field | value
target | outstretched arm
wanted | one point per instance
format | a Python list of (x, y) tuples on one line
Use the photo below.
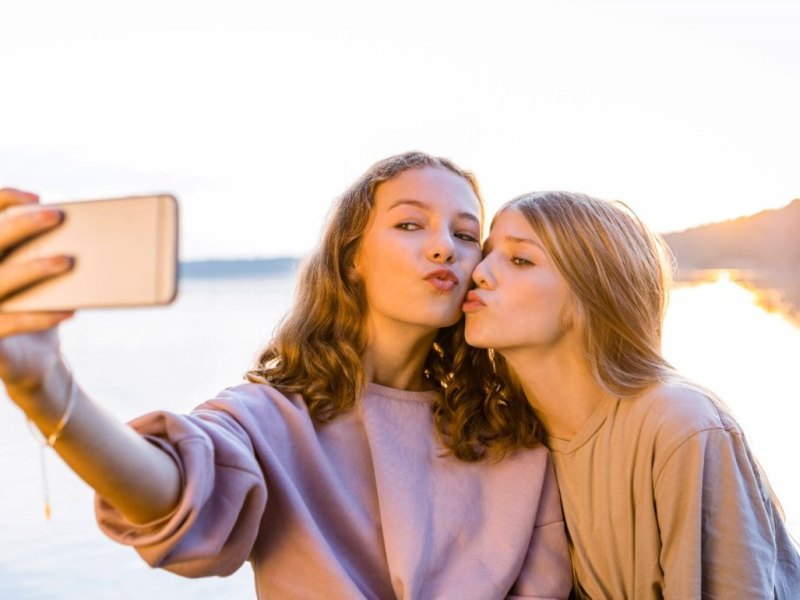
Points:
[(134, 476)]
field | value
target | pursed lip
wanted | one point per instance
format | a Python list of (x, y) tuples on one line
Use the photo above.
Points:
[(472, 302), (443, 280)]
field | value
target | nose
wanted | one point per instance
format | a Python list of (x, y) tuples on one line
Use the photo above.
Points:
[(442, 248), (482, 275)]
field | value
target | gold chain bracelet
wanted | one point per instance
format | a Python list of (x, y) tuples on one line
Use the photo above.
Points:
[(50, 440)]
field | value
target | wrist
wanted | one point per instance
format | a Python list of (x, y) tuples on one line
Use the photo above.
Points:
[(44, 400)]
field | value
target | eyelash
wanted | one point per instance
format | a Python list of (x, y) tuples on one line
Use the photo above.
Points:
[(468, 237), (408, 226), (521, 262)]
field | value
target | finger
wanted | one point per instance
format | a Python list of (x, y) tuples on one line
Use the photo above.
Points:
[(19, 323), (11, 196), (18, 228), (14, 278)]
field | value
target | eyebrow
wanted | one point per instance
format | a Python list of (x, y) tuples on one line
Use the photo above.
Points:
[(487, 246), (424, 206), (519, 240)]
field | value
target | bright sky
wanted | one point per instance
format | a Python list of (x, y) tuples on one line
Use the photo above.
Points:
[(257, 114)]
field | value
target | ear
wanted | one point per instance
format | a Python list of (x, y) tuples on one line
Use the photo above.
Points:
[(353, 272), (572, 315)]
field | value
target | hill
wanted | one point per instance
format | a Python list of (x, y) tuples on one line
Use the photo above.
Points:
[(768, 240)]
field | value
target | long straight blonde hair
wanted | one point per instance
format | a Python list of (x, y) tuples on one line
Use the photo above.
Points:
[(619, 274)]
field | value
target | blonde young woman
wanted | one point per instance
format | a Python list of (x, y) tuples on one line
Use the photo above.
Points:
[(363, 459), (661, 495)]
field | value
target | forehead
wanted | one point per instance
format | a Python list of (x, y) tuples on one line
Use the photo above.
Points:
[(511, 225), (437, 187)]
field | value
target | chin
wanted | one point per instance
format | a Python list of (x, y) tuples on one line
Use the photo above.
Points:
[(449, 322), (474, 338), (435, 321), (446, 318)]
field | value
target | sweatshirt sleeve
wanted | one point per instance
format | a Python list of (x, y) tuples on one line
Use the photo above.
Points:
[(214, 526), (547, 570), (716, 520)]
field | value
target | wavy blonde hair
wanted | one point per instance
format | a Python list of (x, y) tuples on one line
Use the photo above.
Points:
[(619, 274), (317, 348)]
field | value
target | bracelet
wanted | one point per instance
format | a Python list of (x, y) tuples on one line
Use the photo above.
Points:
[(47, 442), (62, 422), (51, 439)]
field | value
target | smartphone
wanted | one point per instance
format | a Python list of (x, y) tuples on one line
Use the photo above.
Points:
[(125, 252)]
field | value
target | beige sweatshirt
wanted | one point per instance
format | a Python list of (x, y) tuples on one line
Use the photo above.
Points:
[(662, 499)]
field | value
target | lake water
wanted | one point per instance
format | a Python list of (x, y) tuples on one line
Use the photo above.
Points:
[(716, 332)]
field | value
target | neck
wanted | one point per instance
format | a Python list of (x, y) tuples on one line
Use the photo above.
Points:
[(395, 356), (559, 385)]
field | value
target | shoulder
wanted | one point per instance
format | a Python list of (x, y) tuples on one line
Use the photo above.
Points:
[(532, 465), (256, 395), (687, 421), (255, 405), (537, 458), (681, 410), (670, 416)]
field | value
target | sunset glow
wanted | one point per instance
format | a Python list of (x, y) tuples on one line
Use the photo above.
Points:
[(257, 114)]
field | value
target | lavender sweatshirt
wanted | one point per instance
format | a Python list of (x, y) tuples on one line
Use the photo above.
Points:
[(363, 507)]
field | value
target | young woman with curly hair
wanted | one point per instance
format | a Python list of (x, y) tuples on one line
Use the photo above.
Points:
[(371, 453)]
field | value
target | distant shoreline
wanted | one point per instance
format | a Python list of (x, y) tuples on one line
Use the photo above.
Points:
[(235, 268), (288, 264)]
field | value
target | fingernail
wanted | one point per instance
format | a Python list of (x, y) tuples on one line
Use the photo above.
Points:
[(20, 195), (61, 263), (50, 216)]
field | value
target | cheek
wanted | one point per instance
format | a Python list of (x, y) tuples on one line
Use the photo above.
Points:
[(389, 249), (377, 280), (374, 262), (472, 258), (387, 280), (537, 308)]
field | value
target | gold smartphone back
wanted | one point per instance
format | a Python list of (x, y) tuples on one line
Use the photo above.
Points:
[(125, 251)]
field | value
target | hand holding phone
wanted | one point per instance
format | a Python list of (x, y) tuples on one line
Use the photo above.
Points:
[(125, 253)]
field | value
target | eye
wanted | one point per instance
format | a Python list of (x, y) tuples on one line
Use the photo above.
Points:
[(407, 226), (468, 237), (521, 262)]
